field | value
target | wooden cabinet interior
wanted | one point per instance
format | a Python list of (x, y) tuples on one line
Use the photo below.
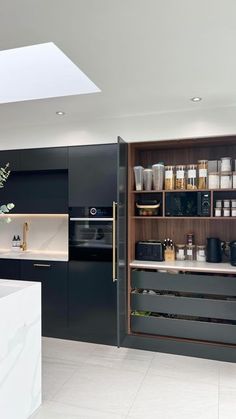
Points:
[(158, 228)]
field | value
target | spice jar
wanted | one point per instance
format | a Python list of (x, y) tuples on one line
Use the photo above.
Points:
[(169, 178), (190, 252), (225, 164), (226, 180), (234, 180), (214, 180), (180, 251), (226, 212), (233, 212), (218, 212), (180, 182), (202, 174), (233, 203), (218, 203), (190, 238), (201, 253), (192, 176)]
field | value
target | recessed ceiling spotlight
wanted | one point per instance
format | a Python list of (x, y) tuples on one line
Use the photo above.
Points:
[(60, 113), (196, 99)]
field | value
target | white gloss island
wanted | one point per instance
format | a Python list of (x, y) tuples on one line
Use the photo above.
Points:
[(20, 348)]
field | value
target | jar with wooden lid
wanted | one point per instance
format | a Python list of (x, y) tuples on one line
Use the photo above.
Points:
[(180, 182), (180, 251), (202, 174), (214, 180), (169, 177), (192, 176), (190, 252)]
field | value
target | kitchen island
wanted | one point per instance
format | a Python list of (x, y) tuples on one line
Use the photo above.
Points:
[(20, 349)]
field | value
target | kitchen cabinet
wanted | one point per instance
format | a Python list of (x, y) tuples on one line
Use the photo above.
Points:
[(12, 157), (55, 158), (92, 302), (9, 269), (92, 175), (53, 276), (37, 192)]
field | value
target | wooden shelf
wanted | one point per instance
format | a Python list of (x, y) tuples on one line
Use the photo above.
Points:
[(184, 190), (181, 218)]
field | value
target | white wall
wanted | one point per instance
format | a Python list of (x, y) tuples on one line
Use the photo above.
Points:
[(186, 124)]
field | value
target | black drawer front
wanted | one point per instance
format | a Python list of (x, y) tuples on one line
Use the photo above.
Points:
[(203, 284), (186, 306), (37, 270), (9, 269), (187, 329)]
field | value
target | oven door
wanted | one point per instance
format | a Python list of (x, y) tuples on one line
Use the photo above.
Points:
[(90, 239)]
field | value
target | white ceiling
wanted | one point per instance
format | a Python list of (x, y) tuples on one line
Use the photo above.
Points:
[(147, 56)]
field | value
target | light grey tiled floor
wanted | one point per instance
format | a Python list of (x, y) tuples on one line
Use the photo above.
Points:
[(86, 381)]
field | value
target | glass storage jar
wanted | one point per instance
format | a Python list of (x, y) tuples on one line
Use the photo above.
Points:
[(218, 203), (233, 203), (234, 180), (190, 251), (180, 182), (180, 251), (226, 212), (218, 211), (158, 170), (192, 176), (226, 180), (225, 164), (226, 203), (202, 174), (214, 180), (201, 253), (233, 212), (169, 177)]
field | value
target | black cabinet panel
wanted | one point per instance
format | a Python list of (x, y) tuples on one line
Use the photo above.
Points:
[(92, 175), (9, 269), (44, 159), (37, 192), (53, 276), (12, 157), (92, 302)]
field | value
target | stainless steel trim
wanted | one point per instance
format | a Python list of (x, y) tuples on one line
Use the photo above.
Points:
[(114, 278), (42, 265), (91, 219)]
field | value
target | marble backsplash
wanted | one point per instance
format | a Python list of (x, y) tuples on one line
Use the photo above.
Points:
[(47, 233)]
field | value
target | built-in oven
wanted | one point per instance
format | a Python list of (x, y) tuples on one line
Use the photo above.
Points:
[(91, 233)]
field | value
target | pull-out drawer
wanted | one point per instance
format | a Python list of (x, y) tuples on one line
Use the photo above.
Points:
[(188, 329), (185, 306), (192, 283)]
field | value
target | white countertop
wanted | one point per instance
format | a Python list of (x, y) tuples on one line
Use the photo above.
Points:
[(186, 265), (34, 255)]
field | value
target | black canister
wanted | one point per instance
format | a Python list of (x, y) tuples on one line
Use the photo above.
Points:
[(214, 250), (233, 253)]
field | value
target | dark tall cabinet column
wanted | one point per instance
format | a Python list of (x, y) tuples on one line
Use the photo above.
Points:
[(92, 175)]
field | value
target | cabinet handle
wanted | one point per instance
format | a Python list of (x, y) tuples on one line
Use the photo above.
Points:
[(114, 278), (41, 265)]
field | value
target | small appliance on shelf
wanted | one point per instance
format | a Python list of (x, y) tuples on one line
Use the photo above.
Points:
[(148, 207)]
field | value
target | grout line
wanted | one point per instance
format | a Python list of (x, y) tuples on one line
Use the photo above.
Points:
[(139, 387)]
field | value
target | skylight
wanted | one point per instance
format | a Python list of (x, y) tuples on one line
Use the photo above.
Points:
[(38, 72)]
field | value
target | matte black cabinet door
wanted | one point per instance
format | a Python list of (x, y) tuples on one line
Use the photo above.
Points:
[(92, 302), (12, 157), (55, 158), (53, 276), (92, 175), (37, 192), (9, 269)]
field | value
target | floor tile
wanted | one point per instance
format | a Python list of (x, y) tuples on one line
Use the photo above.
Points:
[(68, 350), (227, 374), (102, 388), (227, 403), (168, 398), (55, 374), (176, 366), (121, 358), (54, 410)]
